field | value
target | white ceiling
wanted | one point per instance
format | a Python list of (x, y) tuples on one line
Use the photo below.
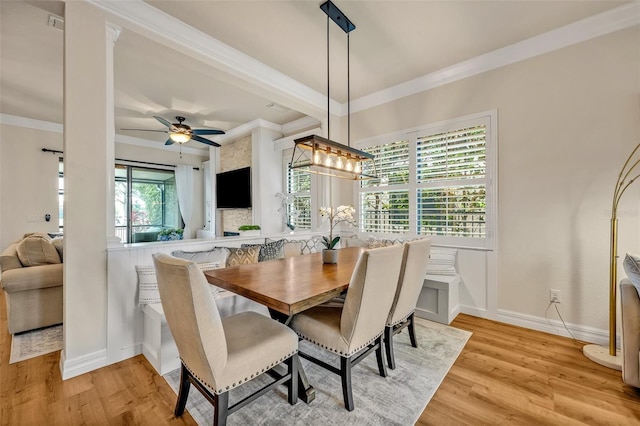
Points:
[(394, 42)]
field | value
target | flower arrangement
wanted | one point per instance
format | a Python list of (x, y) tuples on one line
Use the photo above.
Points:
[(169, 234), (336, 216)]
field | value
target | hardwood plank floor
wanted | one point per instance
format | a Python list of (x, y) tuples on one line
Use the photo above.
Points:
[(505, 375)]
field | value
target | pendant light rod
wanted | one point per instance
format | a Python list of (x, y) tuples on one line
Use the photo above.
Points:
[(328, 84)]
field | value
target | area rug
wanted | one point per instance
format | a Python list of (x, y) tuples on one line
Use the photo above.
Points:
[(398, 399), (31, 344)]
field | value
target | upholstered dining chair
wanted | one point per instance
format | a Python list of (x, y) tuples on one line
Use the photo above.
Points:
[(412, 272), (220, 354), (356, 329)]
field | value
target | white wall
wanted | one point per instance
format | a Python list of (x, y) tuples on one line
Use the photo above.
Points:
[(567, 121), (28, 181)]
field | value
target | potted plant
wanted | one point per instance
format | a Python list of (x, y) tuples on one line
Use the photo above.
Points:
[(335, 216), (169, 234), (249, 230)]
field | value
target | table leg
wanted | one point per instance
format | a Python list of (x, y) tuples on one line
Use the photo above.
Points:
[(306, 392)]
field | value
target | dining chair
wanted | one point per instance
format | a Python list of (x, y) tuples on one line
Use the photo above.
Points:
[(412, 272), (218, 355), (356, 329)]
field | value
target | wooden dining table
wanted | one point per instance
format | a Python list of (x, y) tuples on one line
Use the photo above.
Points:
[(290, 285)]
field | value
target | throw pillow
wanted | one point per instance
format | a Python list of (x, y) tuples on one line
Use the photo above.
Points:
[(632, 268), (442, 261), (37, 250), (355, 242), (242, 256), (268, 251), (291, 247), (57, 243), (148, 292), (383, 242), (215, 255)]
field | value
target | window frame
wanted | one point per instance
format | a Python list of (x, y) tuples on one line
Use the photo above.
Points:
[(286, 158), (129, 181), (487, 118)]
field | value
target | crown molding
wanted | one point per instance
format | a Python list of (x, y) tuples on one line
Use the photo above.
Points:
[(616, 19), (48, 126), (31, 123)]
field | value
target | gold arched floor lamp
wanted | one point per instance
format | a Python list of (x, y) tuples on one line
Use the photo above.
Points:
[(611, 357)]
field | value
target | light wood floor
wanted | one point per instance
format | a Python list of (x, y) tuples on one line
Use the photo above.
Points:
[(505, 375)]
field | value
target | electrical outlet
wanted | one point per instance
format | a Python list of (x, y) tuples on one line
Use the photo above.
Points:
[(554, 296)]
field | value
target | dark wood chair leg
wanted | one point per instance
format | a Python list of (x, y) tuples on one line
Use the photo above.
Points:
[(292, 363), (221, 403), (412, 331), (183, 392), (382, 367), (345, 373), (388, 344)]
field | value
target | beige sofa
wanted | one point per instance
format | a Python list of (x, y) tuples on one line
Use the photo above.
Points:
[(630, 303), (31, 277)]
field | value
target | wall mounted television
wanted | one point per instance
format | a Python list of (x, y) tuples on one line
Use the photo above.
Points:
[(233, 189)]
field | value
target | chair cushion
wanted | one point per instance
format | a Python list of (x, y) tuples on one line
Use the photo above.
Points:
[(37, 250), (442, 261), (148, 292), (255, 344), (215, 255), (321, 325)]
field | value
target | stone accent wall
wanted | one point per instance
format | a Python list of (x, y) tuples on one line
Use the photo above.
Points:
[(236, 155)]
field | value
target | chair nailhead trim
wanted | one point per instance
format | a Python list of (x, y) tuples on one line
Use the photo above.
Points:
[(246, 379), (401, 321), (338, 352)]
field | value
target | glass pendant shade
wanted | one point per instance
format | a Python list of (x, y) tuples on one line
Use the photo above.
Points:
[(178, 137)]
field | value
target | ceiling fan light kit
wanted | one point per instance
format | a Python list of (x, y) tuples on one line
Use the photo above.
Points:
[(315, 154)]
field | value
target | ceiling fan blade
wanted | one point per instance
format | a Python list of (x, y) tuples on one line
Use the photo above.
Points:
[(169, 142), (203, 140), (207, 132), (163, 121), (147, 130)]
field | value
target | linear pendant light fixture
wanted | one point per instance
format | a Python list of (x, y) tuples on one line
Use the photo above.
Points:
[(315, 154)]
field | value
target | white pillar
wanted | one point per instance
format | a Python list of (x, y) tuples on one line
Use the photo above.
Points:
[(88, 158)]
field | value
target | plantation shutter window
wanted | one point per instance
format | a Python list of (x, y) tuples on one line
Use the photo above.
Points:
[(384, 202), (298, 186), (434, 181), (451, 195)]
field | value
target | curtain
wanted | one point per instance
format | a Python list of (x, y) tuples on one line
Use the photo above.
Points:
[(184, 186)]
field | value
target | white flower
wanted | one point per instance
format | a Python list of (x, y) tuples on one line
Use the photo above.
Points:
[(336, 216)]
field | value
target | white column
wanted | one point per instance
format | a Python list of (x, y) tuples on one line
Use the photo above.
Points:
[(88, 148)]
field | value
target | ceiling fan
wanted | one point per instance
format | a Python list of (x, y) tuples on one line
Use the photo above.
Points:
[(181, 133)]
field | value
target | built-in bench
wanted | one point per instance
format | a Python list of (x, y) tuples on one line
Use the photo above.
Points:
[(439, 299)]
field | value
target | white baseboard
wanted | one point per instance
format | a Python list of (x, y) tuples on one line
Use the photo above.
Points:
[(552, 326), (76, 366)]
